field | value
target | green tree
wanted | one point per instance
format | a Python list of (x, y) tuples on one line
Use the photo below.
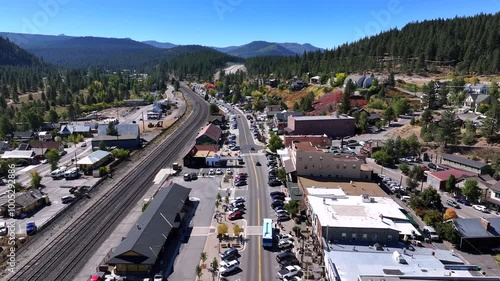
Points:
[(6, 126), (120, 153), (451, 184), (433, 217), (469, 134), (363, 121), (176, 85), (405, 168), (222, 229), (198, 270), (53, 116), (36, 179), (447, 231), (281, 174), (275, 142), (214, 265), (389, 115), (292, 207), (53, 157), (349, 89), (102, 146), (237, 230), (213, 109), (448, 129), (401, 106), (383, 158), (471, 190), (111, 130), (70, 110), (203, 257)]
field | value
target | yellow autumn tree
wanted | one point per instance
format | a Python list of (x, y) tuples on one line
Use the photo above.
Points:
[(450, 214)]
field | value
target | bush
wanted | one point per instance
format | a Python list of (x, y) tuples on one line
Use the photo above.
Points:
[(120, 153), (405, 168), (103, 171)]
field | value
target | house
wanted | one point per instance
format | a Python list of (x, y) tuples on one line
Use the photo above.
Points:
[(41, 147), (24, 147), (484, 182), (128, 136), (217, 120), (458, 162), (338, 216), (271, 110), (196, 157), (332, 125), (45, 136), (476, 88), (25, 136), (280, 120), (296, 84), (94, 161), (25, 203), (493, 196), (210, 134), (159, 226), (437, 180), (26, 156), (474, 101), (67, 130), (372, 117), (319, 161), (314, 80), (273, 82), (478, 234)]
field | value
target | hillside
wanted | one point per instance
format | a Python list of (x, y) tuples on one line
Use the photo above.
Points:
[(11, 54), (465, 44), (161, 45)]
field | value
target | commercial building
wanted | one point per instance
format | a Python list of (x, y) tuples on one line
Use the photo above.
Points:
[(478, 234), (333, 125), (376, 262), (339, 217), (28, 156), (128, 136), (280, 120), (462, 163), (93, 161), (143, 247), (319, 161), (26, 203), (197, 156), (41, 147), (493, 196), (210, 134)]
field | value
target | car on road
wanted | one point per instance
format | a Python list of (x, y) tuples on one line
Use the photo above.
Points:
[(432, 166), (229, 171), (480, 208), (62, 153), (84, 144), (285, 236), (258, 164), (277, 193), (235, 216), (229, 267), (240, 183), (293, 278), (44, 161), (218, 171), (284, 256), (452, 203), (252, 148), (211, 172), (31, 228), (463, 201), (285, 244), (229, 254), (289, 271)]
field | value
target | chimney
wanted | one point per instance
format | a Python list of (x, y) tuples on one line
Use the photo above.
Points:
[(485, 223)]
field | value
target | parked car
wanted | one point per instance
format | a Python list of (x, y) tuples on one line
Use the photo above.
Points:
[(463, 201), (282, 217), (276, 204), (31, 228), (229, 267), (285, 244), (277, 193), (288, 262), (284, 256), (235, 216), (432, 166), (480, 208), (258, 163), (237, 200), (452, 203), (289, 271), (240, 183), (229, 254), (218, 171), (274, 182)]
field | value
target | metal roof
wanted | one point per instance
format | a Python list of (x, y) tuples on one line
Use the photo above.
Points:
[(146, 239), (94, 157), (464, 161), (473, 227), (18, 154), (123, 130)]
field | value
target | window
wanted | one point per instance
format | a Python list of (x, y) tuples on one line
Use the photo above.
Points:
[(354, 166), (389, 237), (344, 236), (320, 166), (310, 158), (353, 237), (305, 167), (365, 236), (497, 195), (374, 237), (345, 166), (321, 158)]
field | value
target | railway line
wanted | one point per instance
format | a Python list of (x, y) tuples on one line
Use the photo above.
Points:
[(69, 249)]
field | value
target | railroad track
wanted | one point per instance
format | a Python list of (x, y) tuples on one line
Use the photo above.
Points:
[(68, 250)]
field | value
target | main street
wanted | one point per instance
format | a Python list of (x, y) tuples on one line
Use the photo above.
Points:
[(256, 263)]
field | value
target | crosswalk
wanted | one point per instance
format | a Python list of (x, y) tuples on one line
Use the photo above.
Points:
[(253, 230)]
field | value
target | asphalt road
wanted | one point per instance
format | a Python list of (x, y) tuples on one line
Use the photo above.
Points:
[(256, 263)]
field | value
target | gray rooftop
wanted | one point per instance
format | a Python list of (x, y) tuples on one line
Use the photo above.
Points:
[(465, 161), (123, 129), (322, 117), (150, 233), (354, 261), (473, 228), (24, 199)]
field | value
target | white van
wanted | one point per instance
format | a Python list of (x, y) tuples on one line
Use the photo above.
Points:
[(58, 173), (72, 173), (431, 233)]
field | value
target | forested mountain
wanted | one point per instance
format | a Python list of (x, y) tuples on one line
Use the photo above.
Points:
[(11, 54), (29, 41), (300, 48), (199, 62), (161, 45), (468, 44), (263, 48)]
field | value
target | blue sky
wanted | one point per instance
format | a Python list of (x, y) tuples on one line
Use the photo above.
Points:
[(325, 23)]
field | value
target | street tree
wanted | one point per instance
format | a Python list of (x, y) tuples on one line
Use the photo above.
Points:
[(214, 265), (213, 109), (53, 157), (237, 230), (198, 271), (383, 158), (292, 207), (449, 214), (451, 184), (203, 256), (471, 190), (36, 179), (222, 229), (275, 142), (430, 197), (432, 217)]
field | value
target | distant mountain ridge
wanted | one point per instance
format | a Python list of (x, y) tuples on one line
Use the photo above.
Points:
[(11, 54), (161, 45)]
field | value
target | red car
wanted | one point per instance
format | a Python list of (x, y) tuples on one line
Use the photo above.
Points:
[(243, 175), (235, 216), (425, 168)]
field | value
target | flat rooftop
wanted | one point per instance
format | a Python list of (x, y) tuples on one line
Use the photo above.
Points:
[(321, 117), (355, 188), (334, 208)]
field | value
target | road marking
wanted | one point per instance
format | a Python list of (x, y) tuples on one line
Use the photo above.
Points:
[(260, 261), (258, 211)]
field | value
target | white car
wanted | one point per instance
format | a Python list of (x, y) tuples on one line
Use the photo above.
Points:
[(229, 171), (285, 244), (44, 161), (289, 271), (218, 171), (285, 236), (211, 172), (229, 267), (480, 208)]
